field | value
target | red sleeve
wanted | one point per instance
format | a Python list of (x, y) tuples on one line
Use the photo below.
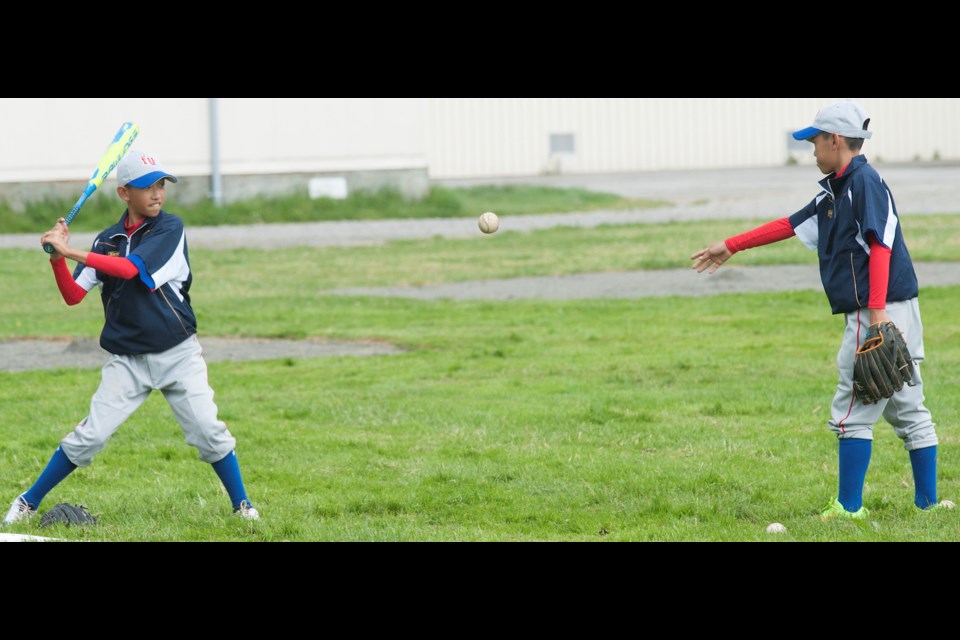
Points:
[(879, 273), (112, 266), (762, 236), (73, 294)]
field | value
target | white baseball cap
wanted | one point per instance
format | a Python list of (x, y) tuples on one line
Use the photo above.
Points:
[(845, 118), (141, 170)]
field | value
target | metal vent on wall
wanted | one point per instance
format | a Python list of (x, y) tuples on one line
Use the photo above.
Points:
[(563, 143)]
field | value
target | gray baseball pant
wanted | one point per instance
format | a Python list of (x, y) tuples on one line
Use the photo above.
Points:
[(905, 411), (126, 383)]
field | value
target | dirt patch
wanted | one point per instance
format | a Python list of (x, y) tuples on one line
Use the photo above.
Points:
[(34, 355), (37, 355), (643, 284)]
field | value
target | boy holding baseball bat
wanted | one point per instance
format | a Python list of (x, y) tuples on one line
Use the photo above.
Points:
[(142, 268)]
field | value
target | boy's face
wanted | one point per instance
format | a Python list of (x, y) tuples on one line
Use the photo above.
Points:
[(144, 203), (826, 149)]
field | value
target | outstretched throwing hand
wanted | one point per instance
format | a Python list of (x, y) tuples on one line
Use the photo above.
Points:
[(711, 259)]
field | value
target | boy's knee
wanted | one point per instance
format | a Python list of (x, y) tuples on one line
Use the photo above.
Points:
[(215, 455), (84, 443), (80, 454), (852, 432), (917, 438), (213, 445)]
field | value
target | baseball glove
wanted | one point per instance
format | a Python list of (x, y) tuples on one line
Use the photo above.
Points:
[(68, 515), (883, 364)]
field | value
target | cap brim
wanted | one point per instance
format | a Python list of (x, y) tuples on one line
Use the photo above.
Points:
[(151, 179), (807, 133)]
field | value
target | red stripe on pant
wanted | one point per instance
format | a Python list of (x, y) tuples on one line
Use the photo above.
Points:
[(853, 397)]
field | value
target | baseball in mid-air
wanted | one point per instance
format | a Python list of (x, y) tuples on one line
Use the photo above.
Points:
[(489, 223), (776, 529)]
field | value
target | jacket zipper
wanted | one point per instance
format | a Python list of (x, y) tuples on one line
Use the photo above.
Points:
[(175, 314), (856, 291), (143, 229)]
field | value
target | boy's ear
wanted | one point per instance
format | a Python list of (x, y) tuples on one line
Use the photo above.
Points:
[(122, 192)]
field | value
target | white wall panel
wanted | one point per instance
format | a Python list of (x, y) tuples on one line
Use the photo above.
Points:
[(470, 137), (50, 139), (294, 135)]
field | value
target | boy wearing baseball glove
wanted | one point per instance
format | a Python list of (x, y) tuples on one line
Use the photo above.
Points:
[(869, 278)]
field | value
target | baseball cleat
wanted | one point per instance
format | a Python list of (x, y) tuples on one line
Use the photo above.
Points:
[(247, 512), (19, 511), (836, 511)]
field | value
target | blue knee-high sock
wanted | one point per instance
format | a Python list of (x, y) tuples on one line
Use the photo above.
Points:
[(854, 462), (924, 464), (56, 472), (228, 470)]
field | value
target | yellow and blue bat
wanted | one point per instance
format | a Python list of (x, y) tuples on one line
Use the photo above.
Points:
[(111, 158)]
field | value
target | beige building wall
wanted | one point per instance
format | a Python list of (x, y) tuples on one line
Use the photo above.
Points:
[(50, 139), (59, 139), (471, 137)]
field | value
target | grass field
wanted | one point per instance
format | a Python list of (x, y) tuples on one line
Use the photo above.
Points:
[(616, 420), (103, 210)]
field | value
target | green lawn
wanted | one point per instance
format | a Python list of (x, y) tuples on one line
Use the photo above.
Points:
[(668, 419), (104, 209)]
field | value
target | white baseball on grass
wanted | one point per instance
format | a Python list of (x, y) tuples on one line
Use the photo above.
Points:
[(776, 529), (489, 223)]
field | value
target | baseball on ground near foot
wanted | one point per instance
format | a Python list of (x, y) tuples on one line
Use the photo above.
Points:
[(776, 529)]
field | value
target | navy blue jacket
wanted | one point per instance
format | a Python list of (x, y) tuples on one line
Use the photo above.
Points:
[(151, 313), (837, 224)]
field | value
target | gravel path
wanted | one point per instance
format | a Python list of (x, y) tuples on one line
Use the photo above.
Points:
[(642, 284), (760, 194), (32, 355)]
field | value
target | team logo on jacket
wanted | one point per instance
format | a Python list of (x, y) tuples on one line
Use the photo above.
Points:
[(830, 214)]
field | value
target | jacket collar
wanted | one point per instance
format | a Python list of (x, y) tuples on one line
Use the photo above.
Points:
[(830, 182), (120, 228)]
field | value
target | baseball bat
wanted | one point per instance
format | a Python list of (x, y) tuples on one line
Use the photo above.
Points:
[(111, 158)]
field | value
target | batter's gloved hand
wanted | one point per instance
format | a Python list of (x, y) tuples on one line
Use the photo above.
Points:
[(68, 515), (883, 364)]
